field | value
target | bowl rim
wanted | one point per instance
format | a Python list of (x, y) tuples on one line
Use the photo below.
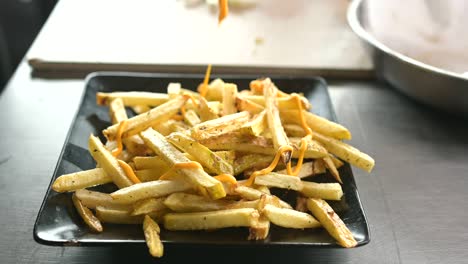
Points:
[(356, 26)]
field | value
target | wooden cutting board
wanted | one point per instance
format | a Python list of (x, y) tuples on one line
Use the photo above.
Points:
[(295, 37)]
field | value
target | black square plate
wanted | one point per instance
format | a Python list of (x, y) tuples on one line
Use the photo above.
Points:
[(59, 224)]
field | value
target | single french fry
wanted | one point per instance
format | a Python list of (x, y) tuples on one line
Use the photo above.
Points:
[(310, 168), (206, 111), (260, 230), (179, 126), (133, 98), (147, 206), (143, 121), (284, 181), (93, 199), (117, 111), (174, 90), (274, 122), (151, 189), (317, 124), (191, 118), (244, 204), (166, 127), (222, 125), (215, 90), (263, 189), (331, 167), (202, 154), (184, 202), (227, 155), (346, 152), (260, 145), (80, 180), (243, 104), (338, 163), (250, 161), (314, 149), (290, 218), (268, 199), (211, 220), (294, 130), (241, 143), (88, 217), (229, 99), (152, 174), (156, 162), (331, 222), (257, 87), (153, 241), (195, 176), (143, 163), (256, 125), (138, 109), (108, 162), (284, 103), (325, 191), (115, 216)]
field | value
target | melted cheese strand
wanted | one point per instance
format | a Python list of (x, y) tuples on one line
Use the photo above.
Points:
[(302, 151), (116, 152), (301, 116), (178, 117), (187, 97), (223, 10), (226, 178), (128, 171), (204, 87), (270, 168)]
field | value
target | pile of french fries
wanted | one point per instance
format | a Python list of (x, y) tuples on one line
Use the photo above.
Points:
[(207, 160)]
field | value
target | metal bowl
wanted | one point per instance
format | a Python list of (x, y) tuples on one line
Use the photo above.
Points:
[(428, 84)]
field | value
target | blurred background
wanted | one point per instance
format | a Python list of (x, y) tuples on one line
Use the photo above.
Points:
[(20, 22)]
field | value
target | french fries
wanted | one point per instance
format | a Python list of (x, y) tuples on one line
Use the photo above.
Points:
[(346, 152), (197, 177), (184, 202), (80, 180), (280, 139), (209, 159), (211, 220), (284, 181), (331, 221), (317, 124), (93, 199), (108, 162), (153, 241), (145, 120), (325, 191), (289, 218), (140, 191), (87, 215), (189, 156), (117, 216)]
